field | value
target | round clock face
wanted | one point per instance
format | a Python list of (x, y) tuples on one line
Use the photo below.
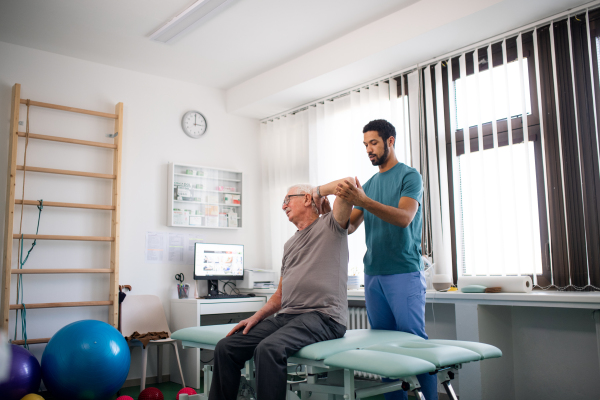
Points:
[(194, 124)]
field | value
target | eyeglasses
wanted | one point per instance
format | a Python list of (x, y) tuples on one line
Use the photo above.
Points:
[(286, 200)]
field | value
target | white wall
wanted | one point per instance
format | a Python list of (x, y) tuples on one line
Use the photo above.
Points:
[(152, 137)]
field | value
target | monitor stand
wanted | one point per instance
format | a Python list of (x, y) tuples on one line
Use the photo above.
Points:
[(213, 287)]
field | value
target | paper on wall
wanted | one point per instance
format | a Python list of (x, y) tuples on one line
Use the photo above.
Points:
[(176, 248), (156, 247), (192, 239)]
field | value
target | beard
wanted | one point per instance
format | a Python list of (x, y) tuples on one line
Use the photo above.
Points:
[(380, 160)]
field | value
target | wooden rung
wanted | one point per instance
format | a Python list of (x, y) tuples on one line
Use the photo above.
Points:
[(67, 140), (71, 109), (62, 271), (31, 341), (60, 305), (61, 237), (67, 205), (67, 172)]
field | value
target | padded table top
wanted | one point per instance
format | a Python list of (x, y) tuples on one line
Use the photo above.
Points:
[(381, 345), (439, 355), (354, 339), (210, 334), (389, 365)]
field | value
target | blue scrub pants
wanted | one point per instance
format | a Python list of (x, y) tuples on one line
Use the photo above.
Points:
[(397, 302)]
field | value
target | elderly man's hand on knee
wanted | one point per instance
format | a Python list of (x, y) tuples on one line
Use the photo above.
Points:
[(246, 324)]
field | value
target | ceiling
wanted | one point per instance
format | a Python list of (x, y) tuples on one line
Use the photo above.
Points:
[(267, 55), (249, 37)]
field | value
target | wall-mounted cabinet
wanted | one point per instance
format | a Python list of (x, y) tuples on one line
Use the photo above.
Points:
[(204, 197)]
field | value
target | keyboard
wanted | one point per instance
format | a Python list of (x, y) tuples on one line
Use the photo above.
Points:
[(227, 296)]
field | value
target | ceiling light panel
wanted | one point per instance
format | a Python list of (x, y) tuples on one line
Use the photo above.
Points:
[(192, 17)]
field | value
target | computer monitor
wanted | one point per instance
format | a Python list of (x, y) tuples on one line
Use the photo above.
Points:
[(213, 262)]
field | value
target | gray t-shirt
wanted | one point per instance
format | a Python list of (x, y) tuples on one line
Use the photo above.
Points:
[(315, 270)]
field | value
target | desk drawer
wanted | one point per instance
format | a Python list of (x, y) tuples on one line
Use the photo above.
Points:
[(230, 307)]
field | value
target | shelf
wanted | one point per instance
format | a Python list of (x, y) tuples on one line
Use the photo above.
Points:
[(207, 227), (208, 204), (209, 199), (210, 191), (206, 177), (193, 215)]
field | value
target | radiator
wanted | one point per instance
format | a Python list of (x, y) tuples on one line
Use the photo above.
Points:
[(357, 319)]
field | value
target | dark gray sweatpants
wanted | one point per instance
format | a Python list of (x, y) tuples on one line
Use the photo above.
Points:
[(271, 342)]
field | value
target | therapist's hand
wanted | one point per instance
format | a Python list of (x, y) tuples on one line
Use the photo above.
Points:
[(323, 205), (322, 202), (246, 325), (351, 191)]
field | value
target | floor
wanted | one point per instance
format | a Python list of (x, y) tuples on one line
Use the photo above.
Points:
[(169, 390)]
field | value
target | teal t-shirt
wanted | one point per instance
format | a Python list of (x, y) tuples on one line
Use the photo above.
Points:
[(390, 248)]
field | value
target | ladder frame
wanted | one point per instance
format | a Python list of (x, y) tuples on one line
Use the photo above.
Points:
[(114, 208)]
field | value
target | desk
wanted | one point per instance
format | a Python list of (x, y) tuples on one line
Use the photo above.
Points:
[(198, 312)]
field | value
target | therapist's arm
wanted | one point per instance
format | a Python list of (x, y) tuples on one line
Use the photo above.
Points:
[(400, 216), (272, 306)]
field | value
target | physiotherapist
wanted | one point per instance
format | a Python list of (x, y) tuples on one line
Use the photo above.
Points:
[(390, 205)]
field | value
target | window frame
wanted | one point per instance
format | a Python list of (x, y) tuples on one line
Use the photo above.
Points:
[(533, 124)]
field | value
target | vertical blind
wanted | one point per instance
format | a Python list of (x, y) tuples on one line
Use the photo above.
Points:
[(511, 130)]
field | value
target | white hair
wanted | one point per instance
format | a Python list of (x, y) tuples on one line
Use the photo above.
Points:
[(305, 188), (302, 187)]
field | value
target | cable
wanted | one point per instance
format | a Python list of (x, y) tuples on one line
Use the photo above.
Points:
[(250, 388), (208, 360), (234, 288), (564, 288)]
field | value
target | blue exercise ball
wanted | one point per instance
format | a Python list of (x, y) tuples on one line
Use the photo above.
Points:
[(85, 360), (25, 375)]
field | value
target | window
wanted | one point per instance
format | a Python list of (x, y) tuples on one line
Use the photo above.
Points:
[(471, 104), (496, 217), (498, 221)]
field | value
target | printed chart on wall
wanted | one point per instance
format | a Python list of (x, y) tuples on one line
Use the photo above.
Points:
[(171, 248), (156, 247), (177, 248), (190, 248)]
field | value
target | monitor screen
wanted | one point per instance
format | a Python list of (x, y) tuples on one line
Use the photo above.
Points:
[(218, 261)]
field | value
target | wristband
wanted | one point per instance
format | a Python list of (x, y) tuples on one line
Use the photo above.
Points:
[(319, 191)]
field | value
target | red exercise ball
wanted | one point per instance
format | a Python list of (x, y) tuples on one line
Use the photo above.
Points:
[(187, 390), (124, 398), (151, 394)]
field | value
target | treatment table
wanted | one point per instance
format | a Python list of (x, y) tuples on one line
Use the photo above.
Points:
[(329, 366)]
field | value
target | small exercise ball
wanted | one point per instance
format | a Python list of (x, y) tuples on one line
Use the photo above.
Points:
[(87, 359), (151, 394), (187, 390), (33, 396), (25, 375), (124, 398)]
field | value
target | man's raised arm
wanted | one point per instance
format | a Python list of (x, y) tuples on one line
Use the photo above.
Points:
[(342, 208), (344, 212)]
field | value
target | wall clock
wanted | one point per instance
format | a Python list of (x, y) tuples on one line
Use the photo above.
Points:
[(194, 124)]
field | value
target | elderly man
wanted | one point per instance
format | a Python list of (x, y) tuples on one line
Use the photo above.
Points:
[(311, 300)]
